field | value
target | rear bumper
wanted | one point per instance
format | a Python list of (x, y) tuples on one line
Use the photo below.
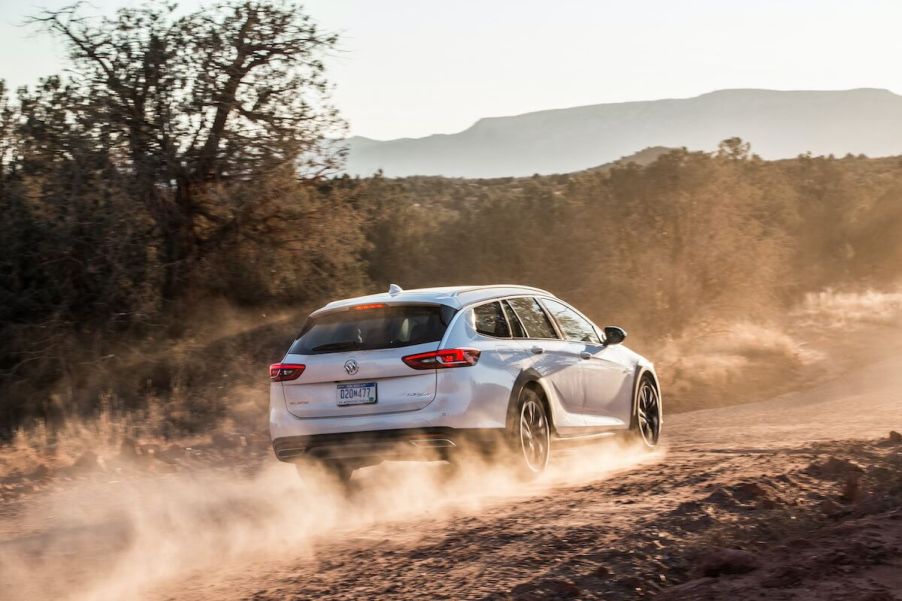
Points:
[(408, 443)]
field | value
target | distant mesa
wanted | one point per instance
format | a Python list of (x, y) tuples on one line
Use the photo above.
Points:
[(779, 124)]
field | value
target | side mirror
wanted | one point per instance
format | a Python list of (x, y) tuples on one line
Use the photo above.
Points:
[(613, 335)]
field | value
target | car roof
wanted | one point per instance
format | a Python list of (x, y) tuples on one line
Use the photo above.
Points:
[(453, 296)]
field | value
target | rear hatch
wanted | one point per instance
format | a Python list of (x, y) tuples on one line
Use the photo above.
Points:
[(353, 360)]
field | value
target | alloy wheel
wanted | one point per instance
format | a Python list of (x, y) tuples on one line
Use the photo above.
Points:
[(534, 434), (649, 413)]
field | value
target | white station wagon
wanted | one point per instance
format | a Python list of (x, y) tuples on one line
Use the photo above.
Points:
[(425, 374)]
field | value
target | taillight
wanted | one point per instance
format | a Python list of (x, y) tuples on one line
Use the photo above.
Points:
[(280, 372), (453, 357)]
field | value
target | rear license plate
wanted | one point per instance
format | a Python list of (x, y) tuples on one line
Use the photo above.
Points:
[(356, 394)]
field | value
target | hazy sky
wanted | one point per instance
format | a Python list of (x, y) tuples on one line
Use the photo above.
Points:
[(415, 67)]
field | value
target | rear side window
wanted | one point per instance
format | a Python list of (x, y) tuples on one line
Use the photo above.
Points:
[(490, 320), (375, 327), (533, 318), (572, 324)]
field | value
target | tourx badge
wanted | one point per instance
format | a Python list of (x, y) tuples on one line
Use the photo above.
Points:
[(351, 367)]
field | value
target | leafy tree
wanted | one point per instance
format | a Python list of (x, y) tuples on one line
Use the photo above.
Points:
[(734, 148), (189, 103)]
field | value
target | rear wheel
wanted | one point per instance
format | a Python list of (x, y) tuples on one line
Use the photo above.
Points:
[(646, 427), (531, 434)]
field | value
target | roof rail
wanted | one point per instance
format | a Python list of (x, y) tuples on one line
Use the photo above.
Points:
[(472, 288)]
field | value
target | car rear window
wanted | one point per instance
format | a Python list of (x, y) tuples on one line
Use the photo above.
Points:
[(490, 320), (371, 328)]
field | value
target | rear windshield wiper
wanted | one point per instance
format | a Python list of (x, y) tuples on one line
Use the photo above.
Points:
[(345, 345)]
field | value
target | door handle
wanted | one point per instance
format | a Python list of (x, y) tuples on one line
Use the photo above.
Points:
[(585, 355), (537, 350)]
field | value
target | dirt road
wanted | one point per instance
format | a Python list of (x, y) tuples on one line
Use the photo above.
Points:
[(797, 497), (744, 477)]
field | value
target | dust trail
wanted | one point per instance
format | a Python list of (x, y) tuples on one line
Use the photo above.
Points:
[(121, 539), (722, 362)]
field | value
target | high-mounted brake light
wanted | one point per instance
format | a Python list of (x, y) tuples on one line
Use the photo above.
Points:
[(445, 358), (369, 306), (281, 372)]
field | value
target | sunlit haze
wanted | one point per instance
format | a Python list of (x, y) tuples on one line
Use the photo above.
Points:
[(411, 68)]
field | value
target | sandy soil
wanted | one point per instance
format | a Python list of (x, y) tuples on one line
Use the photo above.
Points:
[(797, 497)]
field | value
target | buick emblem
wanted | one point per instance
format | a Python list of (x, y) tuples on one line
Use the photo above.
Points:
[(351, 367)]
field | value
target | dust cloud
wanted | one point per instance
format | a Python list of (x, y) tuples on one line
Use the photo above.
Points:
[(831, 308), (114, 539), (724, 362)]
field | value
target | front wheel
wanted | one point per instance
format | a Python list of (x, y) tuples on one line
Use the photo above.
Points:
[(646, 427), (531, 435)]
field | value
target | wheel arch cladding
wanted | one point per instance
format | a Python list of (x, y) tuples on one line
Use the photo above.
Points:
[(527, 378)]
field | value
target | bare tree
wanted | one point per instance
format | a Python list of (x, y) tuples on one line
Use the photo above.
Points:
[(192, 102)]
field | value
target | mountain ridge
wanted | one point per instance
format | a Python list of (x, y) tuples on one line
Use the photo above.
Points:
[(778, 123)]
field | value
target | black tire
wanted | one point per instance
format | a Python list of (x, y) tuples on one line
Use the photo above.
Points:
[(529, 434), (645, 426)]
